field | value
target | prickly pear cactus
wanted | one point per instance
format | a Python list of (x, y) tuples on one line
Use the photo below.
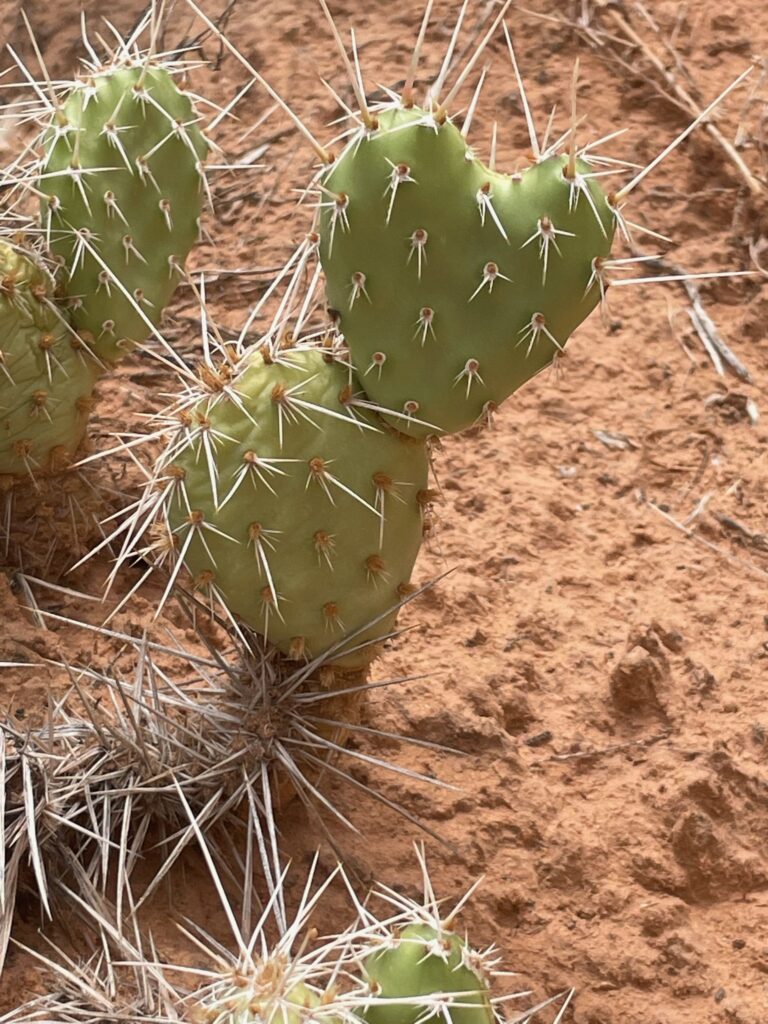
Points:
[(47, 373), (422, 964), (297, 508), (123, 185), (455, 284)]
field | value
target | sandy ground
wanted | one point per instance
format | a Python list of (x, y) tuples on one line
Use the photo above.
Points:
[(602, 670)]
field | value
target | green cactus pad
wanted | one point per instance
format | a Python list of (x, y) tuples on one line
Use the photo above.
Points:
[(426, 962), (46, 373), (298, 508), (454, 284), (124, 186)]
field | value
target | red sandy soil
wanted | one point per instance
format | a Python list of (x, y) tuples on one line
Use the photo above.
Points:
[(603, 671)]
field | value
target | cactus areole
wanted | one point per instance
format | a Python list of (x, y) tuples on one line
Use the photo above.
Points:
[(455, 284)]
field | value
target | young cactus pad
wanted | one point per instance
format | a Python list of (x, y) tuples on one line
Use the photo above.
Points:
[(256, 999), (426, 962), (455, 284), (299, 509), (47, 373), (122, 185)]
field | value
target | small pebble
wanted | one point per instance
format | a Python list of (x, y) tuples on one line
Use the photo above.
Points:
[(539, 739)]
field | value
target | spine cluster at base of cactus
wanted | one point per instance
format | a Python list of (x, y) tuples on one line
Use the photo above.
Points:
[(295, 506), (256, 998), (419, 964), (455, 284), (122, 186), (47, 372)]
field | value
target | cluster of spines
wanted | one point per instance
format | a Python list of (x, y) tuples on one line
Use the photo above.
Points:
[(241, 730)]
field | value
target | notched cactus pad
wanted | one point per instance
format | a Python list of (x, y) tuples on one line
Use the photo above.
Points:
[(455, 284), (420, 964), (297, 508), (123, 181), (47, 372)]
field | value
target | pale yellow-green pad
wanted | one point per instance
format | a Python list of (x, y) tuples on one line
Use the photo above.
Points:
[(261, 995)]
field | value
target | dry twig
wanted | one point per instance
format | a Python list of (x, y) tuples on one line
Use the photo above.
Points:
[(718, 351), (606, 27)]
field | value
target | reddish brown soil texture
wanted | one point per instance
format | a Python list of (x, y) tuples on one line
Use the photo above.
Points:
[(603, 671)]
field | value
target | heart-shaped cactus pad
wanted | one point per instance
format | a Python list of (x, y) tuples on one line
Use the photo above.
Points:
[(454, 284)]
